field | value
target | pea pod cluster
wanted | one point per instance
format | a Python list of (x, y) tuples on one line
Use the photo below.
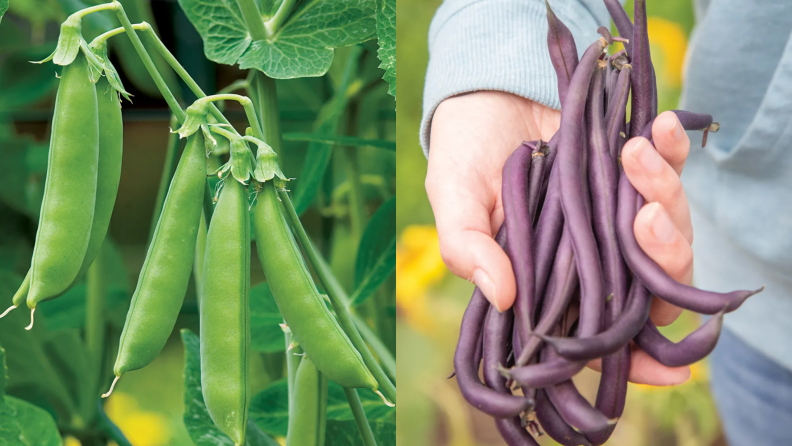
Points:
[(584, 285), (83, 173)]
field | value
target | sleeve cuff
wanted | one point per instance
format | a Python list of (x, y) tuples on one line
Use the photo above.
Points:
[(500, 45)]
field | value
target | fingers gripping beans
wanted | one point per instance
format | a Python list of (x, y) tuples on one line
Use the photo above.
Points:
[(300, 304), (308, 406), (225, 318), (569, 212), (70, 191), (166, 271)]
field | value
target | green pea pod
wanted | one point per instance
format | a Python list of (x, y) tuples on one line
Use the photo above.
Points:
[(308, 407), (166, 271), (70, 190), (225, 317), (111, 130), (299, 302)]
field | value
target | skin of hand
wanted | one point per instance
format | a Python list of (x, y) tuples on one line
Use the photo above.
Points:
[(471, 137)]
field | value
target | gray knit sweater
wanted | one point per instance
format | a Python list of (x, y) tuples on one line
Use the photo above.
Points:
[(738, 68)]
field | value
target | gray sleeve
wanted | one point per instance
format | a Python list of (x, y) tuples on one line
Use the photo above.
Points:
[(500, 45)]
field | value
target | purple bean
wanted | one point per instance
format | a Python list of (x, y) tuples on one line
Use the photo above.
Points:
[(535, 180), (563, 52), (513, 433), (693, 348), (603, 182), (546, 373), (548, 234), (573, 200), (621, 20), (519, 234), (641, 76), (575, 410), (612, 391), (554, 425), (563, 282), (489, 401), (617, 109), (607, 342), (497, 329)]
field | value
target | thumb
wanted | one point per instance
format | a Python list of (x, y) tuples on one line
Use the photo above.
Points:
[(466, 240)]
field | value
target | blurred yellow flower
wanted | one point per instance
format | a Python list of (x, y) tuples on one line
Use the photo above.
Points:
[(670, 38), (141, 428), (71, 441), (418, 266)]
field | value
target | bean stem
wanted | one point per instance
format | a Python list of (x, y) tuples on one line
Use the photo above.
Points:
[(274, 24), (264, 95), (334, 291), (94, 327), (360, 417)]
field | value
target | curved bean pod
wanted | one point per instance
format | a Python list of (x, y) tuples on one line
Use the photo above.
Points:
[(310, 321), (563, 52), (607, 342), (489, 401), (643, 107), (547, 373), (224, 312), (67, 210), (554, 425), (575, 410), (166, 271), (693, 348), (617, 109), (573, 197), (513, 433)]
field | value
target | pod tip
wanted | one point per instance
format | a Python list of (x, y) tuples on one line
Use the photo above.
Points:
[(7, 311), (384, 400), (112, 386), (32, 313), (613, 421)]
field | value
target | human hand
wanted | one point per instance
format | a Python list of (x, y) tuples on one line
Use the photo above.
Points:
[(472, 136)]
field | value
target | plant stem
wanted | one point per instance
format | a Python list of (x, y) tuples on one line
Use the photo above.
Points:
[(108, 427), (284, 10), (114, 32), (208, 203), (246, 103), (293, 358), (342, 312), (360, 417), (265, 99), (253, 19), (94, 330), (171, 154), (149, 64), (114, 5)]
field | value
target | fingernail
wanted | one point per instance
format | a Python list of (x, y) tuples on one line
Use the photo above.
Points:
[(661, 227), (647, 156), (676, 130), (487, 286)]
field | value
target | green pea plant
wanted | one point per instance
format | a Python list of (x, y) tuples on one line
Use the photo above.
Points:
[(317, 202)]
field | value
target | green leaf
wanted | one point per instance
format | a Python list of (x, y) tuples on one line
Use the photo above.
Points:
[(345, 433), (341, 140), (23, 424), (302, 47), (376, 259), (199, 424), (386, 33), (270, 408), (266, 334), (3, 8)]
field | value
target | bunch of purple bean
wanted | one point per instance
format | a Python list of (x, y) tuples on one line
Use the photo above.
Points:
[(584, 285)]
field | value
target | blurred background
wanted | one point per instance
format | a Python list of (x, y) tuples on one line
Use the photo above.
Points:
[(148, 404), (430, 300)]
